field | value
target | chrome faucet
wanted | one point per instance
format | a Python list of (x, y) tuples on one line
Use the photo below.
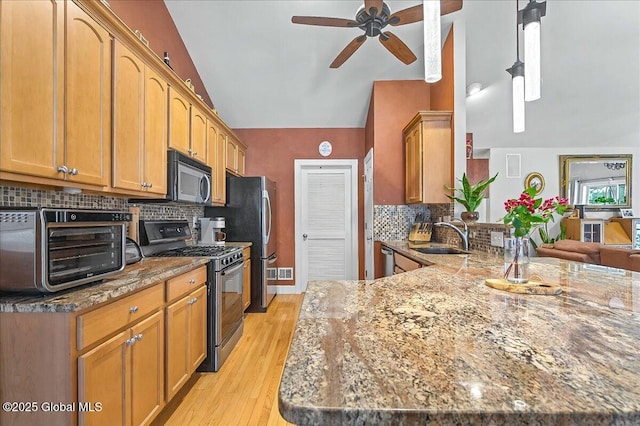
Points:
[(464, 235)]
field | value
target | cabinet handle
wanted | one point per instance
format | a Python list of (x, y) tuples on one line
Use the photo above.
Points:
[(73, 172), (133, 309), (143, 184), (138, 337), (195, 153), (192, 301), (130, 342), (192, 281), (149, 185), (63, 169)]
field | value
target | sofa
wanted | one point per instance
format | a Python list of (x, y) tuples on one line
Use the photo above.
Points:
[(595, 253)]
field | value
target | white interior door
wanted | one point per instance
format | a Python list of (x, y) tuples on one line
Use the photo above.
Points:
[(368, 216), (326, 220)]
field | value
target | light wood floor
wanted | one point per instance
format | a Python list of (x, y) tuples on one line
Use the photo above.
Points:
[(245, 390)]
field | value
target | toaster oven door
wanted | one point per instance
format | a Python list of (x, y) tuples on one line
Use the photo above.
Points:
[(76, 255)]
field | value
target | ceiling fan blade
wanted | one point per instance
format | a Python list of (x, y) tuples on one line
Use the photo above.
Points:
[(324, 22), (368, 4), (449, 6), (414, 13), (348, 51), (406, 16), (397, 47)]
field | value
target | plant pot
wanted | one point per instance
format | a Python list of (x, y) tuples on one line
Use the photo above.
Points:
[(470, 217)]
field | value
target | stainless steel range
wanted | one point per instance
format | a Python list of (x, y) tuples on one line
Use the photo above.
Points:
[(224, 283)]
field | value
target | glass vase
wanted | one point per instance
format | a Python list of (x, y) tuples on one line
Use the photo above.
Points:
[(516, 260)]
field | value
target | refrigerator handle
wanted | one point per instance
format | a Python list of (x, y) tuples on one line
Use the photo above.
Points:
[(265, 196)]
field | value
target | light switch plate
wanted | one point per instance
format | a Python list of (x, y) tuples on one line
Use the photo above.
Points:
[(497, 239)]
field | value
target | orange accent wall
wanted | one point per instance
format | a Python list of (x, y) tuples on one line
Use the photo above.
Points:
[(393, 105), (271, 153), (153, 20)]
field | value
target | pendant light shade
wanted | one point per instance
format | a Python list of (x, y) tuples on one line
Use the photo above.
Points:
[(529, 17), (517, 72), (432, 49)]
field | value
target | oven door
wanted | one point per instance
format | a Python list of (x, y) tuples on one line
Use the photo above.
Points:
[(80, 254), (228, 301)]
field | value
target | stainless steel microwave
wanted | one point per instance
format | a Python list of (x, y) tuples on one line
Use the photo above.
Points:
[(188, 181), (48, 250)]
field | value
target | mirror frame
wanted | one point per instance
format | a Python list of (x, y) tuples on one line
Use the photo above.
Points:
[(567, 160)]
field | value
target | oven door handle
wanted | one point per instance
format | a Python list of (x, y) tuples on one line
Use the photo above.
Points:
[(234, 269)]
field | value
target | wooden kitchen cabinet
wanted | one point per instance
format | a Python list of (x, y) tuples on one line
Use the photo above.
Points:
[(186, 338), (187, 127), (404, 264), (246, 284), (198, 134), (428, 142), (87, 99), (31, 84), (56, 93), (126, 375), (216, 145), (236, 153), (140, 125)]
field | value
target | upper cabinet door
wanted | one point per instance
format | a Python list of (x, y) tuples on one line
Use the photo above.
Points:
[(88, 98), (128, 119), (155, 133), (31, 87), (179, 115), (198, 135)]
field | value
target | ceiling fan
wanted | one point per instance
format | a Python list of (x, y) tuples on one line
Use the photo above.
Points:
[(372, 18)]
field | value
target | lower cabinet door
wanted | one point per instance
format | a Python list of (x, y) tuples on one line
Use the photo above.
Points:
[(102, 379), (147, 369), (178, 363), (197, 328)]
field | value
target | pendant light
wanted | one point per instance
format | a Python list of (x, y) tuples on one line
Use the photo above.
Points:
[(517, 72), (432, 49), (530, 17)]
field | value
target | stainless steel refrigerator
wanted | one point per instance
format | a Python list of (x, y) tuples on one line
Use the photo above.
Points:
[(250, 216)]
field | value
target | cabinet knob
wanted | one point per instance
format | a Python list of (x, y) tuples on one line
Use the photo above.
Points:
[(143, 184), (195, 153), (63, 169), (138, 337), (192, 281), (73, 172), (149, 185), (130, 342), (133, 309), (192, 301)]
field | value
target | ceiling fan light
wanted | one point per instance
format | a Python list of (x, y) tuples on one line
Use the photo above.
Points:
[(517, 92), (530, 18), (432, 42), (532, 59)]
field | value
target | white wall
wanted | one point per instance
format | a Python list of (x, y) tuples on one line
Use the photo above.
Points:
[(546, 162)]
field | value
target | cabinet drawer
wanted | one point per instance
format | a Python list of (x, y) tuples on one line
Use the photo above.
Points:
[(97, 324), (185, 283), (404, 263)]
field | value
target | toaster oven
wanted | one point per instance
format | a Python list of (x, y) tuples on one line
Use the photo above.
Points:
[(48, 250)]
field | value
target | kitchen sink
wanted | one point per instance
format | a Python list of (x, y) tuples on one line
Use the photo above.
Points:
[(440, 250)]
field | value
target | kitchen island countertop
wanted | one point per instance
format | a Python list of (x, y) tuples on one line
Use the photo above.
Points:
[(436, 344)]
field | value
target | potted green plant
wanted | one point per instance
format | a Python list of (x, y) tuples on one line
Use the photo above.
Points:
[(470, 196)]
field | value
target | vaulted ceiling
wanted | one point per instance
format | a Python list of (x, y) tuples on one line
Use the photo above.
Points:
[(262, 71)]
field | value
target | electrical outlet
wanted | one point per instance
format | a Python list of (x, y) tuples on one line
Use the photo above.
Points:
[(497, 239)]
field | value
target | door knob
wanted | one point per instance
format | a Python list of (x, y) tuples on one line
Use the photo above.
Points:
[(304, 237)]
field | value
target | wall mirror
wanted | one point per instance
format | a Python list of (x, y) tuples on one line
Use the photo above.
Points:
[(596, 181)]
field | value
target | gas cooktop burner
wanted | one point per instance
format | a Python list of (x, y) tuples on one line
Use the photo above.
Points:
[(209, 251)]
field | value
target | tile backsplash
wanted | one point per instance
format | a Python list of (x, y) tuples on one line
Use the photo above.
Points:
[(393, 223), (27, 197)]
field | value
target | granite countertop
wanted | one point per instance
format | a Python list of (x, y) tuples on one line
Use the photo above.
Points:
[(148, 271), (436, 344)]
